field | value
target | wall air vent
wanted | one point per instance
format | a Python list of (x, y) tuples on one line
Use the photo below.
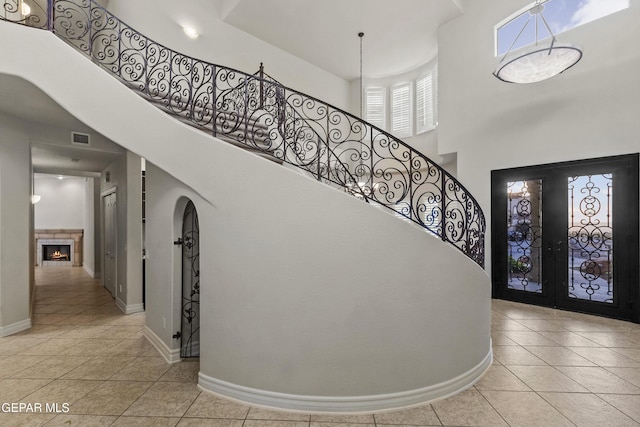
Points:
[(78, 138)]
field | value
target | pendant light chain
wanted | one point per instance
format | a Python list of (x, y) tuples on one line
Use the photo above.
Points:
[(361, 35)]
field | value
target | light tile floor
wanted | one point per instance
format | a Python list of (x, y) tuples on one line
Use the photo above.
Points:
[(551, 368)]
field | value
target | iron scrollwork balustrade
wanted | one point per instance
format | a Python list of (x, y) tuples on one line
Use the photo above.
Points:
[(32, 13), (255, 111)]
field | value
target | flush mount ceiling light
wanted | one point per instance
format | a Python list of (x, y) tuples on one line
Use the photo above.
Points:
[(537, 63), (190, 32)]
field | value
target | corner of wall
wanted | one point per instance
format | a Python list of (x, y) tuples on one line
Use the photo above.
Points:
[(170, 355)]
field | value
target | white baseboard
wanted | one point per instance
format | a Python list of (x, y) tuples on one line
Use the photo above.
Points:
[(14, 328), (170, 355), (121, 305), (89, 271), (342, 404), (134, 308), (130, 308)]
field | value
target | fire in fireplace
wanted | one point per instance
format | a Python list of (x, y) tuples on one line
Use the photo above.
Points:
[(56, 252)]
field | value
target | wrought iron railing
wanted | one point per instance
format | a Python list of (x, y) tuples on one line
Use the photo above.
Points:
[(258, 113)]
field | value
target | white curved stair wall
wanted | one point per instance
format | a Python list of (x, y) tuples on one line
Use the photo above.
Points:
[(310, 298)]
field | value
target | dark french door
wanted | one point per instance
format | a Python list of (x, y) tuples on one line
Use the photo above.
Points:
[(565, 235)]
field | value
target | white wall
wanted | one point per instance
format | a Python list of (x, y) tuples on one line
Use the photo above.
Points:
[(16, 249), (125, 176), (90, 221), (133, 239), (225, 45), (589, 111), (62, 202)]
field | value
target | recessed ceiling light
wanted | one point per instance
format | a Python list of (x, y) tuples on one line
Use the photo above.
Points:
[(190, 32), (60, 177)]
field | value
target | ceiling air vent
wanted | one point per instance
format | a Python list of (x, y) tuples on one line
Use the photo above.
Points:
[(78, 138)]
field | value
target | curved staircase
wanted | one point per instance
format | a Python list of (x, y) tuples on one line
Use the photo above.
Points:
[(257, 113), (373, 315)]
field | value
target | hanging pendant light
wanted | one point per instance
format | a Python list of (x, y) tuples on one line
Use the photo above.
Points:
[(537, 63)]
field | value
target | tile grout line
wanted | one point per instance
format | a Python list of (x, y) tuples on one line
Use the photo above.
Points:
[(493, 407)]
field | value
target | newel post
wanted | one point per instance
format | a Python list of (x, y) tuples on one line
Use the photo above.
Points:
[(261, 74)]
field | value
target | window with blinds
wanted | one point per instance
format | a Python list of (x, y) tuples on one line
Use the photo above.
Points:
[(375, 100), (401, 123), (425, 103)]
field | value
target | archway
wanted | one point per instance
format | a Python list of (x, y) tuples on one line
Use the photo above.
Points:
[(190, 303)]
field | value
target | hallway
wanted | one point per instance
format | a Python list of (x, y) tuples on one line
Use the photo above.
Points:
[(551, 368)]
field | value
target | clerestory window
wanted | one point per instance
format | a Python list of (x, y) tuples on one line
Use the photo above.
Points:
[(562, 15)]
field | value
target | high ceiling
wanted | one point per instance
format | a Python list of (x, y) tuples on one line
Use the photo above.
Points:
[(400, 35)]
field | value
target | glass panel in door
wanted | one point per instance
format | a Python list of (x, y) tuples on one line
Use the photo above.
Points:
[(524, 236), (590, 233)]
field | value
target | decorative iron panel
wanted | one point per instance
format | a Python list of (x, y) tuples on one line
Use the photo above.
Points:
[(190, 333), (524, 236), (591, 237)]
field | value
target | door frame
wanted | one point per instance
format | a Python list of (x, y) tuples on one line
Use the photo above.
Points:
[(629, 256)]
